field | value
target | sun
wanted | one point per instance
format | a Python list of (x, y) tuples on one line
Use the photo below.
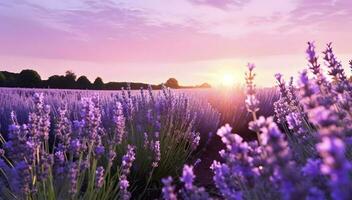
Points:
[(228, 80)]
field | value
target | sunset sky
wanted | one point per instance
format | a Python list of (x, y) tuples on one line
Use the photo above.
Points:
[(149, 41)]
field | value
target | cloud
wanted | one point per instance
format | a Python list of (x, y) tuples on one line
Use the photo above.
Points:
[(222, 4)]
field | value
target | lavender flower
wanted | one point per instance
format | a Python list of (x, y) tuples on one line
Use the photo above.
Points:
[(99, 150), (187, 176), (91, 118), (228, 188), (23, 172), (282, 86), (75, 146), (168, 189), (127, 161), (314, 66), (2, 152), (146, 141), (63, 127), (123, 185), (281, 109), (157, 154), (119, 121), (73, 173), (312, 58), (112, 156), (295, 123), (252, 103), (195, 140), (99, 177), (190, 191), (336, 166), (59, 161), (39, 120), (44, 166)]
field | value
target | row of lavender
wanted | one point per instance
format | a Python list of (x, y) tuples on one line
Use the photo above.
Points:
[(106, 146), (229, 104), (308, 157)]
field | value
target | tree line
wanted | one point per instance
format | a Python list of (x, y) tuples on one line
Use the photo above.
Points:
[(31, 79)]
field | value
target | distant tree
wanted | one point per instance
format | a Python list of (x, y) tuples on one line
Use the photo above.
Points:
[(11, 79), (172, 83), (70, 75), (70, 80), (56, 81), (83, 83), (98, 83), (29, 78), (205, 85), (2, 79)]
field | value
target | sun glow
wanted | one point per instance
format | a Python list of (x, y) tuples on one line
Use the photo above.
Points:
[(228, 80)]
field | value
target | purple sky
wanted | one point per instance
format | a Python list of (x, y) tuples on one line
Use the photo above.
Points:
[(194, 41)]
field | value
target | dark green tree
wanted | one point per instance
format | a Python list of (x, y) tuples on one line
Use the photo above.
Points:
[(56, 81), (29, 78), (83, 83), (98, 83), (172, 83), (70, 80), (2, 79)]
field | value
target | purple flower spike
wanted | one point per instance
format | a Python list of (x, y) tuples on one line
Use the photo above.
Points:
[(157, 154), (99, 177), (187, 177), (252, 103), (119, 121), (168, 189)]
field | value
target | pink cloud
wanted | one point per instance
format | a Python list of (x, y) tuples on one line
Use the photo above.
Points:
[(222, 4)]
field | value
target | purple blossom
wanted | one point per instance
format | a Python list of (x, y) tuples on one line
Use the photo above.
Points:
[(39, 120), (251, 101), (282, 86), (312, 168), (99, 150), (191, 191), (63, 127), (112, 156), (168, 190), (91, 118), (127, 160), (188, 176), (295, 123), (195, 140), (228, 188), (313, 59), (23, 172), (99, 177), (75, 146), (336, 166), (59, 163), (2, 152), (281, 109), (157, 154), (73, 176), (119, 121), (123, 185), (44, 166), (314, 66)]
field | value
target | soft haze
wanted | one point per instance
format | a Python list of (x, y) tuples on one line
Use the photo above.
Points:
[(194, 41)]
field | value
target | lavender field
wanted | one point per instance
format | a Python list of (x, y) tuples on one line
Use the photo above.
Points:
[(291, 141)]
